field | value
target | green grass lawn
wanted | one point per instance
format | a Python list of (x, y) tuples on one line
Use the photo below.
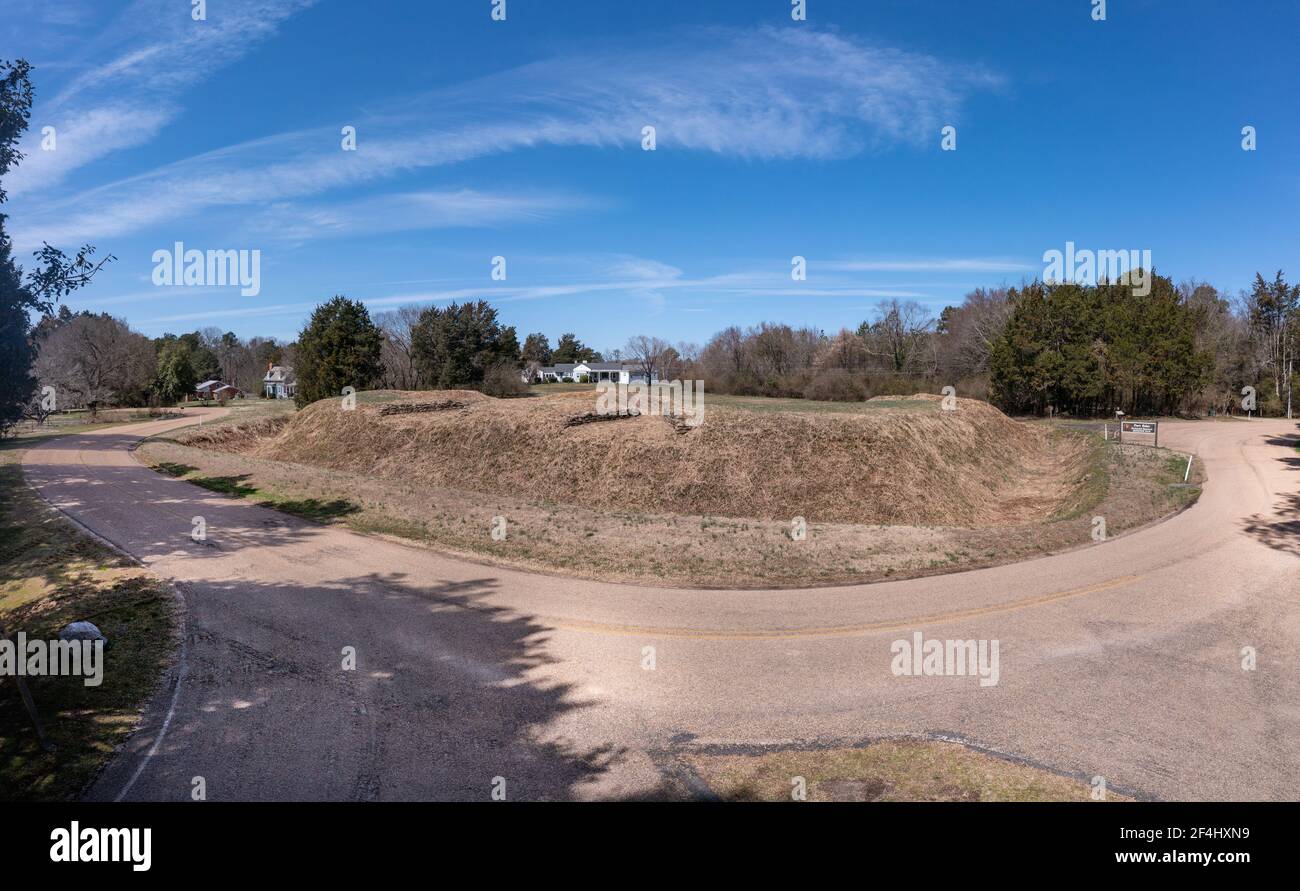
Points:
[(27, 434), (543, 389), (316, 509), (252, 409), (770, 404), (757, 403)]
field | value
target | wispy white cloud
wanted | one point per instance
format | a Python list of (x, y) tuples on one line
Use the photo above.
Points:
[(658, 286), (41, 27), (755, 283), (79, 138), (136, 297), (130, 86), (932, 265), (844, 291), (272, 311), (641, 268), (406, 211), (768, 94), (648, 281)]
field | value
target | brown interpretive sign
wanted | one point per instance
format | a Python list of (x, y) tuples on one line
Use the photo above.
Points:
[(1140, 432)]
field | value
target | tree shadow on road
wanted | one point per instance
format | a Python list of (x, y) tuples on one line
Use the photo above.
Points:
[(1280, 534), (1292, 461), (1281, 530), (1292, 443), (452, 695), (446, 700)]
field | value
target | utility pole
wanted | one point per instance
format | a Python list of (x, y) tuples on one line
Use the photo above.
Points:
[(1290, 333), (1290, 329), (1290, 361)]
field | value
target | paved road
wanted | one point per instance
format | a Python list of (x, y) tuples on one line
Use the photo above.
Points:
[(1121, 660)]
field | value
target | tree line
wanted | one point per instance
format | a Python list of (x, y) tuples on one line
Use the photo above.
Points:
[(1039, 348), (1182, 349), (36, 289), (459, 346), (1036, 348), (1032, 349), (95, 359)]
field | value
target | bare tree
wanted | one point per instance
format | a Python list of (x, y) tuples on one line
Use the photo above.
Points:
[(725, 353), (898, 335), (230, 352), (970, 330), (688, 351), (397, 355), (93, 360), (1274, 310), (649, 354), (1225, 336), (685, 361), (777, 350), (845, 351)]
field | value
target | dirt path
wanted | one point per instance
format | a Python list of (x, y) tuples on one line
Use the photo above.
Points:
[(1121, 660)]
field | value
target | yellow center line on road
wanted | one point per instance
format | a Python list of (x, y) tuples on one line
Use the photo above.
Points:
[(835, 631)]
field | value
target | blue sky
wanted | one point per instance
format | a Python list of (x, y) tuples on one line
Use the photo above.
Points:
[(775, 138)]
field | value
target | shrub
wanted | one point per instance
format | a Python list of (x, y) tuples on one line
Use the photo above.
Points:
[(503, 380), (836, 385)]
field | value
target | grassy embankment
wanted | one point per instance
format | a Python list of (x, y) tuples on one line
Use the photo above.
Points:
[(1066, 478)]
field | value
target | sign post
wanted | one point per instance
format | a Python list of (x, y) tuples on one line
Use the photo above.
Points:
[(1140, 432), (28, 703)]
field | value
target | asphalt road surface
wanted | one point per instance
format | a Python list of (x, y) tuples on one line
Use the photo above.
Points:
[(1122, 660)]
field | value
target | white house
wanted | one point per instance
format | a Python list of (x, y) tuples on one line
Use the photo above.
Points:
[(592, 372), (280, 382)]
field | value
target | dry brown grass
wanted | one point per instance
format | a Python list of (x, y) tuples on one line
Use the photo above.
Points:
[(1128, 485), (238, 439), (917, 465), (889, 770), (679, 550)]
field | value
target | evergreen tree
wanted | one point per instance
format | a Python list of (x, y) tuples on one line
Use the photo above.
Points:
[(537, 348), (455, 346), (570, 350), (174, 376), (52, 277), (16, 382), (508, 352), (1092, 349), (338, 348)]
